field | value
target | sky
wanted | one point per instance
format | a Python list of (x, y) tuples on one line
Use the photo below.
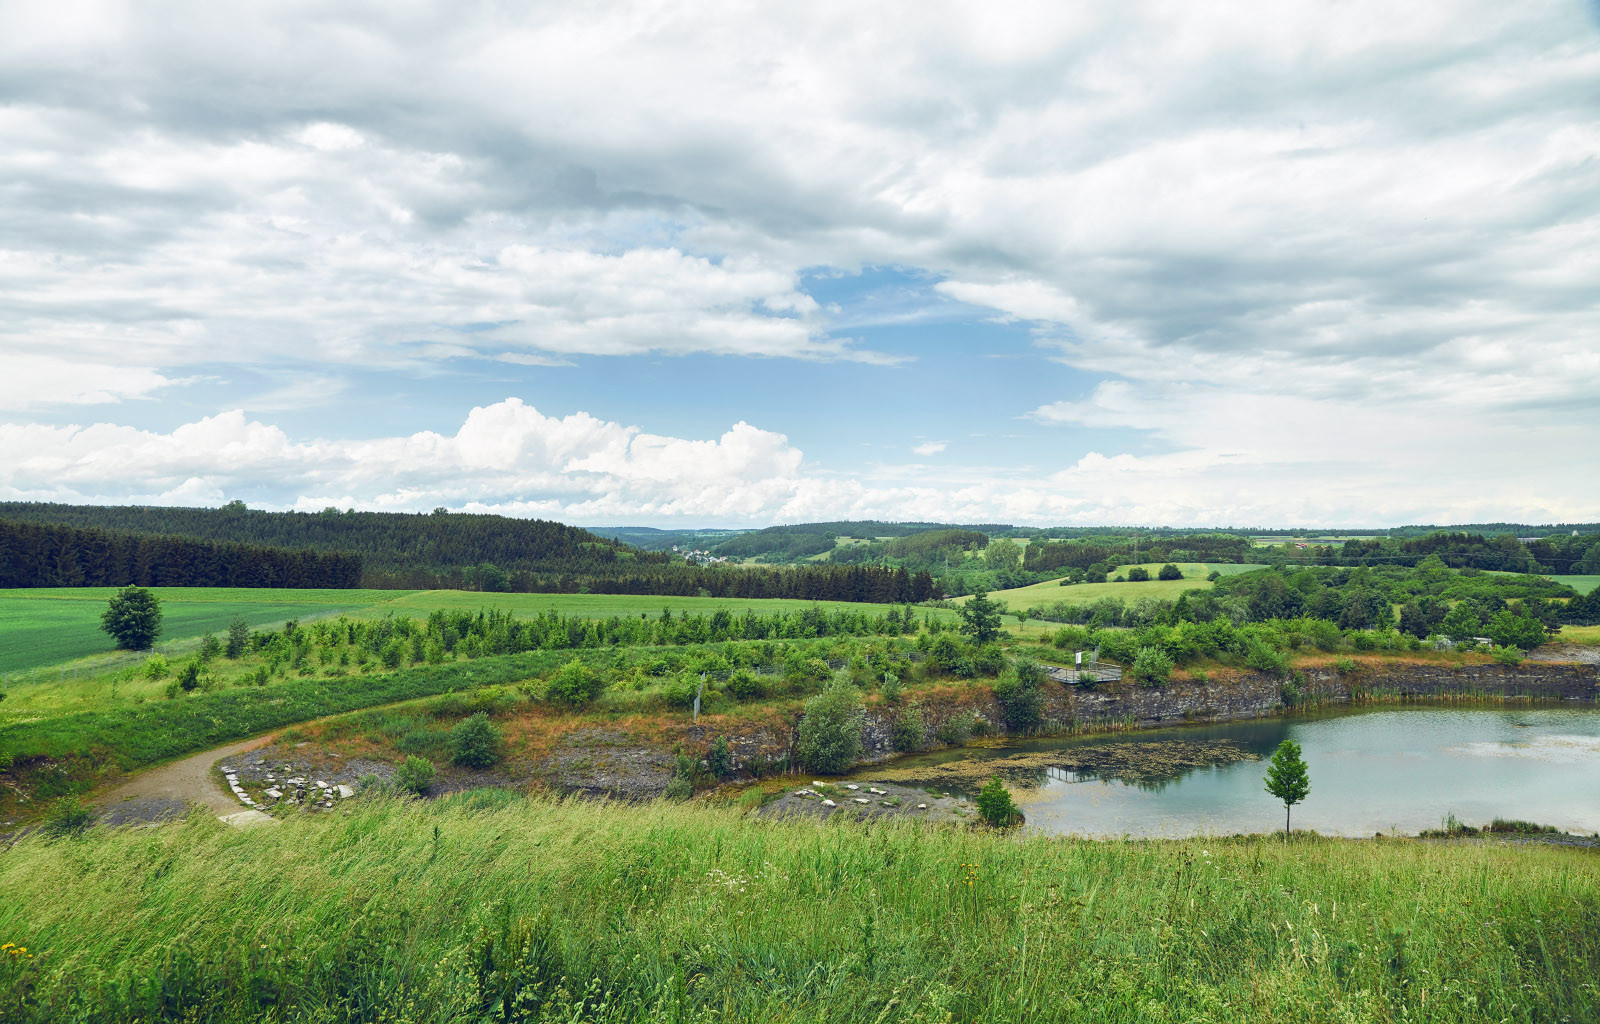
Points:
[(737, 264)]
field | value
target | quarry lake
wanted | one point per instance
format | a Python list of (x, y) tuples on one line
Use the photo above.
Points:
[(1393, 770)]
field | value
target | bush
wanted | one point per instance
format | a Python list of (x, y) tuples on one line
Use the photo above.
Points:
[(575, 685), (680, 692), (1344, 666), (996, 805), (1264, 658), (746, 685), (910, 730), (890, 688), (415, 775), (155, 667), (720, 759), (829, 738), (957, 729), (1506, 655), (68, 815), (679, 788), (475, 742), (1138, 574), (1170, 572), (1017, 693), (1151, 666), (189, 677)]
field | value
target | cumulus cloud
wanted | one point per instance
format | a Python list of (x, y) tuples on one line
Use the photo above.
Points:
[(928, 448), (512, 459), (1272, 234)]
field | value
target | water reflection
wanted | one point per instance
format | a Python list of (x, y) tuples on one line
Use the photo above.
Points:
[(1389, 769)]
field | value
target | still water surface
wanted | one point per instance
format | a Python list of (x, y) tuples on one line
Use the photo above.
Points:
[(1389, 770)]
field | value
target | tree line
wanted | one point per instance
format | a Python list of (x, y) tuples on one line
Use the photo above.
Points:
[(37, 555), (391, 544)]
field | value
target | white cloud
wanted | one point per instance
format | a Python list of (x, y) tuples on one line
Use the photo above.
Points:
[(928, 448), (1288, 241), (31, 380), (512, 459)]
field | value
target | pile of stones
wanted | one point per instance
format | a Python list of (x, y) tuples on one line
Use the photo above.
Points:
[(295, 790)]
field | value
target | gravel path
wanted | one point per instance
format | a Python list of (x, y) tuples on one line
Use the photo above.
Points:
[(153, 795)]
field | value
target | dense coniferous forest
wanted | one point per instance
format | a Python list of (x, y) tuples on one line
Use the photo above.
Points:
[(392, 545), (35, 555), (445, 551)]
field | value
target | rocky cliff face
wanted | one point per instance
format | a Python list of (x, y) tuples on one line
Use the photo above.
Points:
[(1246, 695), (1257, 694)]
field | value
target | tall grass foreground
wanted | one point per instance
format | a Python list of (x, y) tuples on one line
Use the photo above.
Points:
[(489, 906)]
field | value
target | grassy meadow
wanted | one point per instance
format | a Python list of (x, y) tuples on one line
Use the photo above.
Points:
[(488, 906), (1052, 591), (1582, 584), (50, 626)]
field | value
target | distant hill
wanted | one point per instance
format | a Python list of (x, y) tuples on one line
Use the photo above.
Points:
[(394, 547)]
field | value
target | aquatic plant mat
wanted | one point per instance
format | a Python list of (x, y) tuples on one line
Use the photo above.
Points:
[(1129, 762), (492, 907)]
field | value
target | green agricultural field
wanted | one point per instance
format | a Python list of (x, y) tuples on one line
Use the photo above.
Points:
[(1195, 570), (489, 906), (41, 627), (601, 606), (1582, 584), (1053, 592)]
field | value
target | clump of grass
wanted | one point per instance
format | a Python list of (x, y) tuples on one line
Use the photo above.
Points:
[(488, 906)]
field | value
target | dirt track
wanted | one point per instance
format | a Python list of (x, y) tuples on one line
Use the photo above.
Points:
[(186, 781)]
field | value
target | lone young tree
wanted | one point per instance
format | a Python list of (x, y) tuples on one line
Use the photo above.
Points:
[(980, 617), (133, 617), (238, 637), (1287, 778)]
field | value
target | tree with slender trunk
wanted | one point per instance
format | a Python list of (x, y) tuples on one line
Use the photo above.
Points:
[(1287, 779)]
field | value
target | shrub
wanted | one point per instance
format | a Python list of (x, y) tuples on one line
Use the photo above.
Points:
[(957, 729), (475, 742), (720, 759), (1344, 666), (574, 684), (746, 685), (890, 688), (910, 729), (1138, 574), (679, 788), (1506, 655), (680, 692), (68, 815), (1072, 638), (1151, 666), (1264, 658), (996, 805), (829, 738), (1170, 572), (189, 677), (415, 775), (1017, 693), (155, 667), (1213, 576)]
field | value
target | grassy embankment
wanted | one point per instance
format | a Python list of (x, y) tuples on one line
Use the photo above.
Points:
[(491, 907)]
